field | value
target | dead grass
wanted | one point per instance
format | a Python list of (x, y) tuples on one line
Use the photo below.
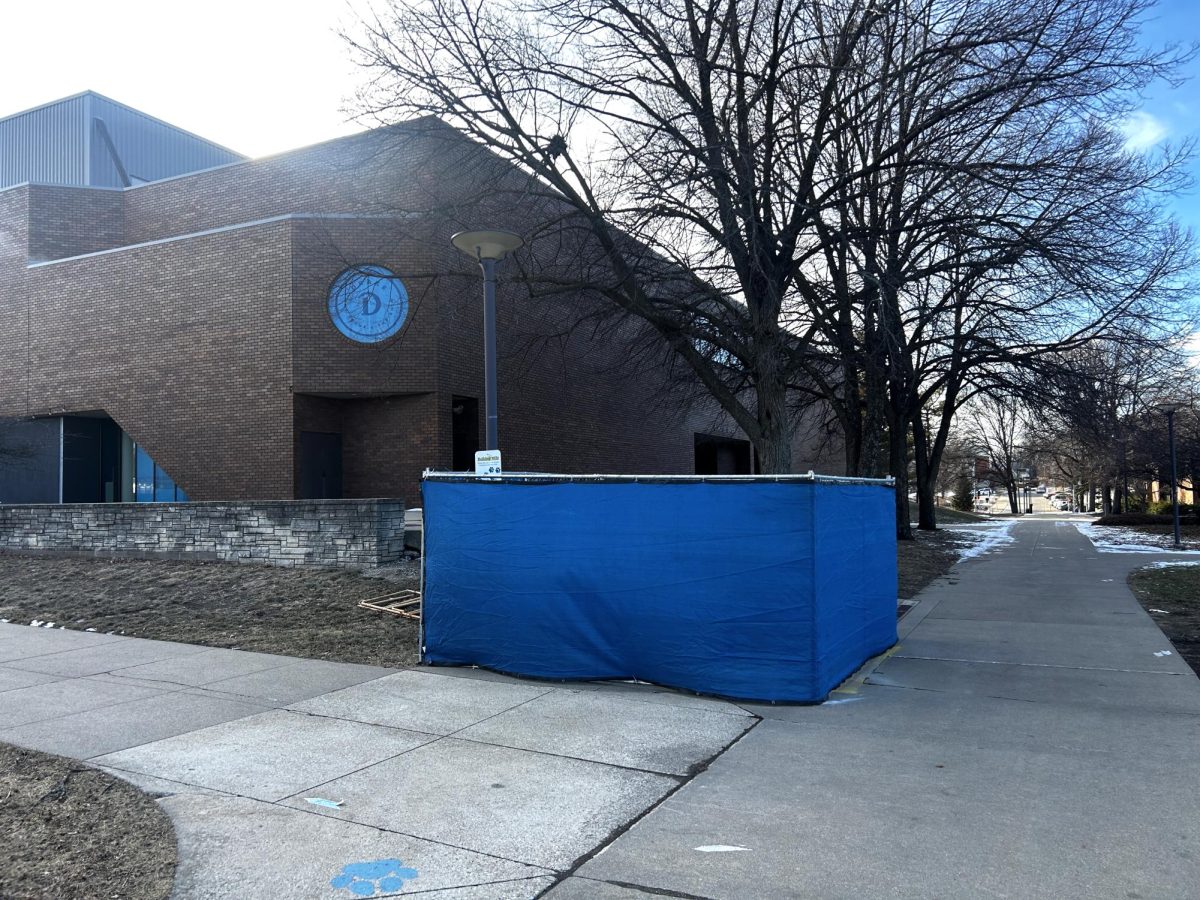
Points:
[(924, 559), (306, 612), (76, 833), (1171, 595)]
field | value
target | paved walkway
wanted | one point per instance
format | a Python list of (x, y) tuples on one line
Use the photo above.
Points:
[(1028, 738), (462, 786)]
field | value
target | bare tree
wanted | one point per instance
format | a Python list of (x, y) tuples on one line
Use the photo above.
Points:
[(1097, 402), (997, 435), (867, 204)]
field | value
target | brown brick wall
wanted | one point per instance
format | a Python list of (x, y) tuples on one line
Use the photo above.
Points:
[(14, 245), (215, 350), (185, 344), (382, 172), (69, 221)]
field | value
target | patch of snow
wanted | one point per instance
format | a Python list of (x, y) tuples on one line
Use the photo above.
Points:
[(1169, 563), (1118, 539), (982, 540)]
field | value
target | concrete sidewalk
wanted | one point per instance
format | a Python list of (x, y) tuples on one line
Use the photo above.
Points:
[(1026, 739), (453, 785)]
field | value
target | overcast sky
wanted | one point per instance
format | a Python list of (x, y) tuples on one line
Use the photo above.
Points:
[(262, 76)]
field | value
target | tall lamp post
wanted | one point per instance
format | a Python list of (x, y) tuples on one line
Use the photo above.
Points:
[(487, 248), (1169, 408)]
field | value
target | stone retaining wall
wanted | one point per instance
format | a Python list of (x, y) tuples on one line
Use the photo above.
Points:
[(351, 533)]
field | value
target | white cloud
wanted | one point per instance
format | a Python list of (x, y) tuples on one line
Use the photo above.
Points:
[(1142, 131), (1192, 348)]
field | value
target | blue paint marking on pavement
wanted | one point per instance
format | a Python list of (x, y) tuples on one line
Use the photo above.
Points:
[(366, 879)]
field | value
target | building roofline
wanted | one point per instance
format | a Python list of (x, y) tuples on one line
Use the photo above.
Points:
[(68, 187), (358, 135), (47, 105), (132, 109)]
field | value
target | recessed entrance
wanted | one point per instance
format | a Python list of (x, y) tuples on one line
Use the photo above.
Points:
[(464, 419), (320, 466), (722, 456)]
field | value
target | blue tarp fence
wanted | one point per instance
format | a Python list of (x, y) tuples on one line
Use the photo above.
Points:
[(771, 589)]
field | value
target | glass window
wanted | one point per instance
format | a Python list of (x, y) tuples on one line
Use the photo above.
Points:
[(164, 487), (144, 477)]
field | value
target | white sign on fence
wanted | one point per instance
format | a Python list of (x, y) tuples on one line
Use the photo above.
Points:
[(487, 462)]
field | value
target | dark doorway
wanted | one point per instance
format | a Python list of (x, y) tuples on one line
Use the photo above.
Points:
[(722, 456), (320, 466), (81, 460), (111, 458), (464, 418)]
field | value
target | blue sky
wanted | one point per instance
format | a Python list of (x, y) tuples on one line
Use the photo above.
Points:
[(1173, 115), (263, 76)]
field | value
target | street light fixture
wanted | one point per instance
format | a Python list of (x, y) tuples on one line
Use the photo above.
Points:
[(1169, 408), (488, 248)]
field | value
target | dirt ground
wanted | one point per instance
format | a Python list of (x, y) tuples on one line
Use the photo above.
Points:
[(922, 560), (1171, 595), (75, 833), (305, 612)]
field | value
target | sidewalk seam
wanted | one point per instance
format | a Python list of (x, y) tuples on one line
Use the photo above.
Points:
[(615, 834)]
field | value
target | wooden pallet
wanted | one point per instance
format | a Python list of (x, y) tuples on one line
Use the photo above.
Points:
[(399, 603)]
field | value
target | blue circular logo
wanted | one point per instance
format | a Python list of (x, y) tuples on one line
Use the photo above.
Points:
[(368, 304)]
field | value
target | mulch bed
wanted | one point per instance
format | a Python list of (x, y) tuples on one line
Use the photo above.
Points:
[(1172, 597), (307, 612), (75, 833)]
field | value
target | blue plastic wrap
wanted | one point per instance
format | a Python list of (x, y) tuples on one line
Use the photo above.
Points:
[(757, 590)]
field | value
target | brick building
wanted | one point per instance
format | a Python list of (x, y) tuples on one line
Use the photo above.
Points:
[(171, 326)]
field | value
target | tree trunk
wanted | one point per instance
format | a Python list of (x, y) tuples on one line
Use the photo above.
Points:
[(774, 452), (872, 454), (929, 455), (774, 443), (898, 464), (926, 478)]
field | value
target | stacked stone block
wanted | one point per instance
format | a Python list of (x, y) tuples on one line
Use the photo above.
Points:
[(345, 533)]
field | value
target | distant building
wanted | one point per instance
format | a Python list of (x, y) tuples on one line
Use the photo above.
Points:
[(1161, 490), (178, 322)]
